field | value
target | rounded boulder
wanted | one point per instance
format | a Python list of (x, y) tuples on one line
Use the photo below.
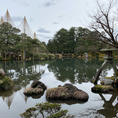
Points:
[(66, 92)]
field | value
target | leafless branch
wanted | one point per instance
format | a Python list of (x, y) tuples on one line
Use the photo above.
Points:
[(103, 23)]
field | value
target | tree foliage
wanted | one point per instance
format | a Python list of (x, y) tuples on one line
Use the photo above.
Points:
[(46, 110), (14, 44), (75, 40), (8, 37)]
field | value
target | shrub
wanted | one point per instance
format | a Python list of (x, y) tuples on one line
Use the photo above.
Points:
[(5, 83), (46, 110)]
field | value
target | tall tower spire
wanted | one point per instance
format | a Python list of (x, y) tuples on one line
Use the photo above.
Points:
[(1, 20), (34, 35), (24, 24), (7, 18), (7, 15), (25, 27)]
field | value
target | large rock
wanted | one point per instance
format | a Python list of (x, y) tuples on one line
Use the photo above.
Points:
[(37, 89), (33, 91), (66, 92)]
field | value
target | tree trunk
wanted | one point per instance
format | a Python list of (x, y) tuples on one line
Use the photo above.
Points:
[(99, 72)]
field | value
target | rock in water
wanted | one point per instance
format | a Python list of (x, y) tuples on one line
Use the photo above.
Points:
[(33, 91), (37, 88), (38, 84), (102, 89), (66, 92)]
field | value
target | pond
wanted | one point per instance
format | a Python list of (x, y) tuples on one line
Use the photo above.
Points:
[(53, 73)]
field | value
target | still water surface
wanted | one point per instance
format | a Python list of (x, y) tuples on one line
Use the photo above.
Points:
[(52, 74)]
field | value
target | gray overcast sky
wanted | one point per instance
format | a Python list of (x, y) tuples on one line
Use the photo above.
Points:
[(45, 17)]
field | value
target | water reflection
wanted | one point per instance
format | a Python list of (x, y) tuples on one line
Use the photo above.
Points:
[(78, 72), (21, 73), (110, 109), (7, 97), (74, 70)]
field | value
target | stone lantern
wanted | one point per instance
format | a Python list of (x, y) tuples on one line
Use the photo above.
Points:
[(108, 59)]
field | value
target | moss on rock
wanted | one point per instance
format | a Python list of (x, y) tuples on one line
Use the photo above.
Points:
[(102, 89), (33, 91), (36, 90), (66, 92), (111, 78)]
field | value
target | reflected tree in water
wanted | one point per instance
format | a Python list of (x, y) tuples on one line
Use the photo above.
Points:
[(110, 108), (74, 70), (22, 72)]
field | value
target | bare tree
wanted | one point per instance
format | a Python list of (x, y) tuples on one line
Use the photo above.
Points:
[(105, 23)]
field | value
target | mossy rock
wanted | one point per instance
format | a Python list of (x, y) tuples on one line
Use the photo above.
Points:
[(6, 83), (38, 84), (102, 89), (111, 78), (33, 91), (36, 90), (67, 92)]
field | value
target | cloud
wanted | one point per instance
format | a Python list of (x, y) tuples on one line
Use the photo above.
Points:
[(60, 16), (55, 23), (22, 2), (17, 18), (44, 38), (26, 4), (42, 30), (50, 3)]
